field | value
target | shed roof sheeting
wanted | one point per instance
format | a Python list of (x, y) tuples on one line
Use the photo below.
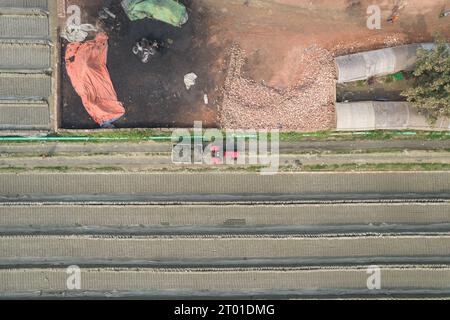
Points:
[(362, 66), (374, 115)]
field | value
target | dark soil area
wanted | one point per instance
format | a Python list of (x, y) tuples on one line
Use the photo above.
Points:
[(153, 94)]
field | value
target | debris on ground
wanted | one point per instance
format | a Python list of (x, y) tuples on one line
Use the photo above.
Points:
[(86, 67), (445, 13), (105, 14), (190, 80), (77, 33), (307, 106), (168, 11), (145, 49)]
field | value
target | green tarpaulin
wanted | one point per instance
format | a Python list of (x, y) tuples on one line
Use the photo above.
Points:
[(168, 11)]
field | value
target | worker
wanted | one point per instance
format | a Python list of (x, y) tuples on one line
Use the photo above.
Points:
[(393, 18), (395, 15)]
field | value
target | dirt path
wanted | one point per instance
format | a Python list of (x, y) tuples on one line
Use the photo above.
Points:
[(139, 162), (53, 148)]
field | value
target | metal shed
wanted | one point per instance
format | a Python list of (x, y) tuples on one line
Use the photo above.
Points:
[(375, 115), (361, 66)]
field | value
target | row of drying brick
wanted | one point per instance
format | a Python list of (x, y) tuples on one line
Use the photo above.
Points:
[(25, 65)]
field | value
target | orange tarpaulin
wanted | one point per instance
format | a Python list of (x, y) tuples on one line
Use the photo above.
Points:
[(86, 66)]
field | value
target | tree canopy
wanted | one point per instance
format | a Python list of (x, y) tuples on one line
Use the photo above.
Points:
[(431, 90)]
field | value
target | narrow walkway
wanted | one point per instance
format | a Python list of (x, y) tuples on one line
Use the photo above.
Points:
[(161, 147)]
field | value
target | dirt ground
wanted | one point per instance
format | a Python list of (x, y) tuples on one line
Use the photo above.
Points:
[(270, 31), (263, 63), (154, 94)]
